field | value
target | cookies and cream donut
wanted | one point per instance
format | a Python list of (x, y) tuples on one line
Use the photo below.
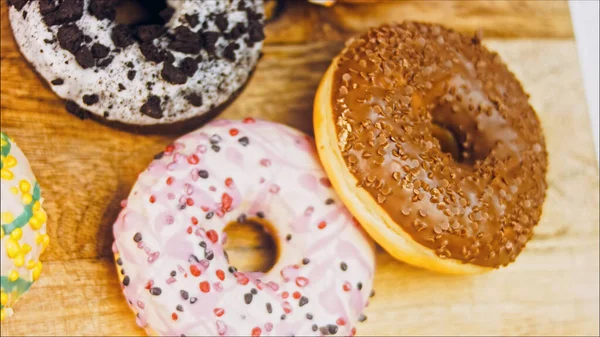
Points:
[(169, 238), (146, 74), (432, 144), (23, 225)]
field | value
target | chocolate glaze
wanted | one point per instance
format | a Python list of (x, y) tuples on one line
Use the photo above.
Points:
[(396, 87)]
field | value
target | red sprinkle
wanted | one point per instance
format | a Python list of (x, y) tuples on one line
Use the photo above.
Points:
[(220, 274), (169, 180), (190, 202), (296, 295), (301, 281), (149, 284), (228, 182), (353, 332), (205, 286), (174, 316), (189, 230), (249, 120), (219, 312), (287, 308), (226, 200), (285, 294), (325, 182), (347, 286), (322, 224), (205, 208), (265, 162), (152, 199), (212, 235), (195, 271), (193, 159), (233, 132), (256, 332), (341, 321), (170, 148), (194, 220), (242, 279)]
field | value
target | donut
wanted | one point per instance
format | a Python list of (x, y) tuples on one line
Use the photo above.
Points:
[(430, 141), (169, 238), (23, 226), (192, 60)]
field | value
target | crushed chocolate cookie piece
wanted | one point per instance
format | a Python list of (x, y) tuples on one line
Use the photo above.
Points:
[(221, 21), (131, 75), (70, 38), (84, 57), (90, 99), (60, 12), (173, 74), (99, 51), (195, 99), (192, 19), (152, 107), (186, 41), (121, 36), (189, 66)]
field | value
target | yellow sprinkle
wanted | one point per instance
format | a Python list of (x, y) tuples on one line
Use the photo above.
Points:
[(13, 276), (36, 206), (3, 298), (14, 190), (25, 248), (1, 232), (25, 186), (31, 264), (38, 238), (19, 261), (37, 270), (41, 216), (6, 174), (16, 234), (7, 217), (35, 223), (10, 161), (26, 199), (12, 248), (1, 314)]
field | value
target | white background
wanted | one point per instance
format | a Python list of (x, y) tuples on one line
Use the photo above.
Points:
[(584, 14)]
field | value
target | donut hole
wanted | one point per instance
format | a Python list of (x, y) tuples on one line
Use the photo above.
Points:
[(140, 12), (250, 246), (448, 141)]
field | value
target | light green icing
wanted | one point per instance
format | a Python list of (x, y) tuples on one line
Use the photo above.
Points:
[(5, 150), (20, 286), (24, 217)]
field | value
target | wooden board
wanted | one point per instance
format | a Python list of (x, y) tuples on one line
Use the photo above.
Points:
[(86, 169)]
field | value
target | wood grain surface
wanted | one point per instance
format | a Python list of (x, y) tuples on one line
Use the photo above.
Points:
[(86, 169)]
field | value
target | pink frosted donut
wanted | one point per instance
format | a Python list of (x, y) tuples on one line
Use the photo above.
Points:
[(169, 238)]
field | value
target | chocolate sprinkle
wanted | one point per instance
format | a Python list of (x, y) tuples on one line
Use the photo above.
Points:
[(244, 141), (269, 308), (184, 294), (343, 266), (303, 301), (305, 261), (155, 291), (248, 298), (126, 281), (137, 237), (57, 81), (309, 316)]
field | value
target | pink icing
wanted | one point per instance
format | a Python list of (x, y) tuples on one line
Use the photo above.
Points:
[(170, 233)]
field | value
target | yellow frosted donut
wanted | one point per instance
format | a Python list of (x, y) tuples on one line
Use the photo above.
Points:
[(23, 225)]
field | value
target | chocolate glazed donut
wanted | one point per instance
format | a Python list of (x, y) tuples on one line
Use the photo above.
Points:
[(432, 143)]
